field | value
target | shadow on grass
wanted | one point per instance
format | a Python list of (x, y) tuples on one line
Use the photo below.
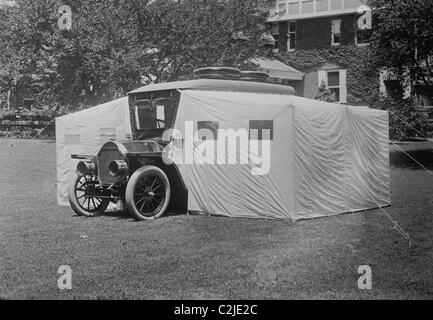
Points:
[(124, 215), (118, 215), (403, 160)]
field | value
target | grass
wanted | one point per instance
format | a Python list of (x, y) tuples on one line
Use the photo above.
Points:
[(197, 257)]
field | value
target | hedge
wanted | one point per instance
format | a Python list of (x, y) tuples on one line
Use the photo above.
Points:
[(37, 115), (29, 131)]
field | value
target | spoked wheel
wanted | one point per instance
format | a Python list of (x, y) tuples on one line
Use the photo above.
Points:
[(83, 197), (148, 193)]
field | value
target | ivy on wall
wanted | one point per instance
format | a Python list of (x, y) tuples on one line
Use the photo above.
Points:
[(362, 79), (313, 41)]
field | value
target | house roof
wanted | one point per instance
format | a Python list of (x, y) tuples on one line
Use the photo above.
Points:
[(278, 69), (219, 85)]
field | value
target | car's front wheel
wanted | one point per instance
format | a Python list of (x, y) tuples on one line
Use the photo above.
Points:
[(83, 196), (148, 193)]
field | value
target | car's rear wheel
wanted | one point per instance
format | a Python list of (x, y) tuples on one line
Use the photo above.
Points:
[(83, 196), (148, 193)]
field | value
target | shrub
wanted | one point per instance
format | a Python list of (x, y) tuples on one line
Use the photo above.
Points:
[(405, 121), (29, 132), (325, 94)]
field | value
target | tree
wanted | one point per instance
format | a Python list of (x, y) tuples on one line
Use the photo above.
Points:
[(402, 42), (403, 38), (325, 94), (115, 46)]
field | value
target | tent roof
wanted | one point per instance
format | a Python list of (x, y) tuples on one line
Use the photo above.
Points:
[(219, 85), (102, 107), (277, 69)]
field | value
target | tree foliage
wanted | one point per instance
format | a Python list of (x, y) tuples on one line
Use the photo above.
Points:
[(115, 46), (405, 121), (324, 94), (403, 37)]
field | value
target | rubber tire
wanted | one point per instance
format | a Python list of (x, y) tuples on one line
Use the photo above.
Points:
[(78, 209), (129, 194)]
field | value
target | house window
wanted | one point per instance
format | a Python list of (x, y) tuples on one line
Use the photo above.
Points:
[(363, 26), (281, 6), (208, 130), (363, 36), (292, 36), (336, 32), (321, 5), (307, 6), (293, 7), (276, 41), (336, 81), (261, 130), (352, 4), (336, 5), (275, 34)]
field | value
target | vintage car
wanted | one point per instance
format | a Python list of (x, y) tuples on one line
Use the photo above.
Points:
[(132, 172)]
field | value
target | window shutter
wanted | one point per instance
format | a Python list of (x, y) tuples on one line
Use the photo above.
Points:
[(343, 86), (323, 76), (282, 37)]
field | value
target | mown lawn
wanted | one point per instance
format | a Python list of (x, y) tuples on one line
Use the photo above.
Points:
[(195, 257)]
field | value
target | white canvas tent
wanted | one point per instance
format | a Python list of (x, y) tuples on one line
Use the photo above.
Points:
[(85, 132), (325, 159)]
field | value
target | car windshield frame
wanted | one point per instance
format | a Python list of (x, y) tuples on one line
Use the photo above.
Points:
[(156, 113)]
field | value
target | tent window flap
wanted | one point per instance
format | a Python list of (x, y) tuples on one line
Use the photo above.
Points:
[(261, 130)]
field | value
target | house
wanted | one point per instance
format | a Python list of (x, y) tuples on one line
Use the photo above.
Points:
[(326, 40)]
